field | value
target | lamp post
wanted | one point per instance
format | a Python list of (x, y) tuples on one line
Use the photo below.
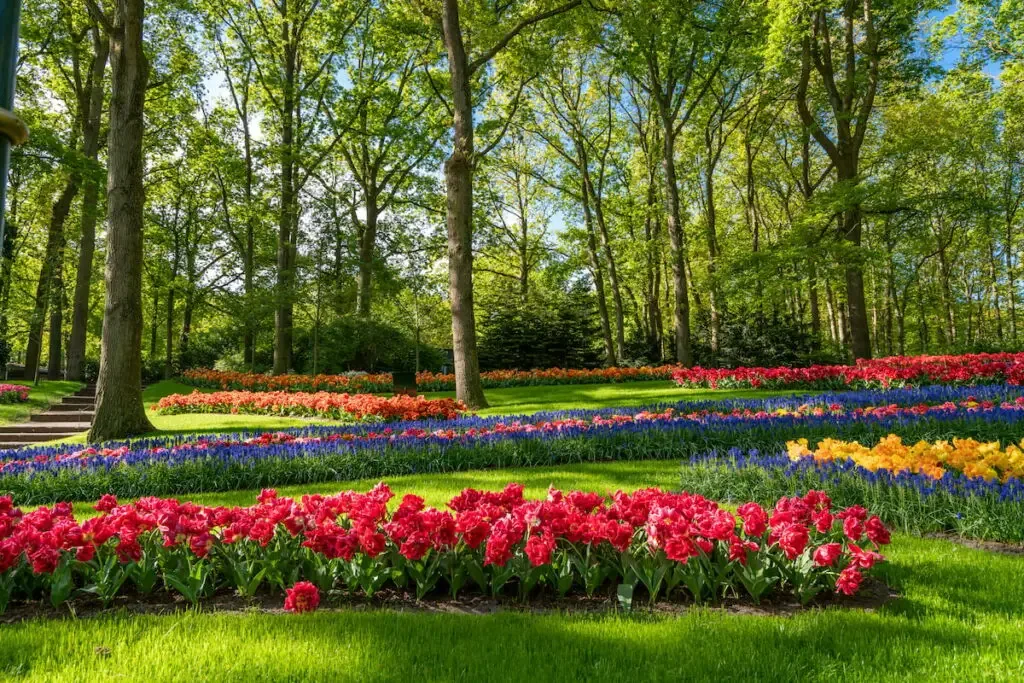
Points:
[(12, 130)]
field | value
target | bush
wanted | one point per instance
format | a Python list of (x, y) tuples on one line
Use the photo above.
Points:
[(556, 332), (351, 343), (760, 340)]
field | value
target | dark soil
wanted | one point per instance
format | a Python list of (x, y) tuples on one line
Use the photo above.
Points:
[(976, 544), (872, 595)]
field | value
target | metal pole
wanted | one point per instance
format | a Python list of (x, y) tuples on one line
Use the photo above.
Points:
[(10, 16)]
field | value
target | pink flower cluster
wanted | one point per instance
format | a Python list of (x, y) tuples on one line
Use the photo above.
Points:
[(13, 393), (881, 372), (575, 540)]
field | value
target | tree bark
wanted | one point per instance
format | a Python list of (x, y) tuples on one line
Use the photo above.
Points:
[(367, 247), (673, 220), (458, 173), (54, 244), (92, 117), (119, 409), (287, 219)]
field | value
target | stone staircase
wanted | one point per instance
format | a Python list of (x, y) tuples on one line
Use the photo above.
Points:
[(71, 416)]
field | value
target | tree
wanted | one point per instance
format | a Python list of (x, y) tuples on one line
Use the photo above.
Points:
[(853, 50), (119, 409), (505, 21), (674, 50)]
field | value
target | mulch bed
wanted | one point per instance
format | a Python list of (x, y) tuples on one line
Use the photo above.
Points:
[(872, 595), (976, 544)]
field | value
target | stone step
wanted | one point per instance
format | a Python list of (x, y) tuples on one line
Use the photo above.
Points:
[(77, 400), (81, 415), (31, 437), (72, 408), (67, 425)]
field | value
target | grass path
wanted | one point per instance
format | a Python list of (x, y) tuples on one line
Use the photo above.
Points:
[(960, 617)]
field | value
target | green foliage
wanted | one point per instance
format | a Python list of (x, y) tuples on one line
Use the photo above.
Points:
[(543, 331), (350, 343)]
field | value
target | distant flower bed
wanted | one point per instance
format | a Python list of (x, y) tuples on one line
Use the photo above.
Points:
[(972, 459), (425, 381), (13, 393), (428, 381), (344, 407), (670, 544), (249, 381), (883, 372)]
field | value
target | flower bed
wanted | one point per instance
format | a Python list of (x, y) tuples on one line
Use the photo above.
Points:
[(250, 381), (174, 465), (883, 372), (668, 544), (13, 393), (972, 459), (425, 381), (346, 407)]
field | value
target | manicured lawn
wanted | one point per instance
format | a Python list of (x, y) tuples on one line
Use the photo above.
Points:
[(508, 401), (960, 616), (39, 398), (526, 400)]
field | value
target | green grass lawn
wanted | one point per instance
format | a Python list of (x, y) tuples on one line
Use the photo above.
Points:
[(508, 401), (526, 400), (960, 616), (39, 398)]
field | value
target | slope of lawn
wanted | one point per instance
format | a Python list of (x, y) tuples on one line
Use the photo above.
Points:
[(526, 400), (960, 616), (505, 401), (39, 399)]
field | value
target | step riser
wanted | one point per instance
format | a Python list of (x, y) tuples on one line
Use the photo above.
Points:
[(72, 408), (79, 416), (42, 428), (25, 439)]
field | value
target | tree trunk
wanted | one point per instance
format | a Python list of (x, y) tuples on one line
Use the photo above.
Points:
[(119, 409), (54, 243), (92, 120), (287, 219), (597, 272), (711, 229), (860, 338), (458, 175), (673, 220), (609, 257), (55, 359), (367, 245), (169, 334)]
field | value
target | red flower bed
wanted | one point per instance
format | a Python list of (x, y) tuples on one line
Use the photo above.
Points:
[(320, 404), (425, 381), (668, 543), (250, 381), (882, 372), (13, 393)]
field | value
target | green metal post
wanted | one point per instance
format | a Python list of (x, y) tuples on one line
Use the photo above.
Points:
[(10, 16)]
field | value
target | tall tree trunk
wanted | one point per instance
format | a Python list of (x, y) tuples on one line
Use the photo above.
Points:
[(54, 243), (287, 219), (597, 272), (711, 231), (169, 335), (860, 338), (458, 174), (119, 409), (609, 257), (1011, 280), (367, 246), (55, 357), (92, 120), (673, 221)]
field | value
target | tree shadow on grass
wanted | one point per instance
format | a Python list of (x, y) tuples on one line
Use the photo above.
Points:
[(384, 646)]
